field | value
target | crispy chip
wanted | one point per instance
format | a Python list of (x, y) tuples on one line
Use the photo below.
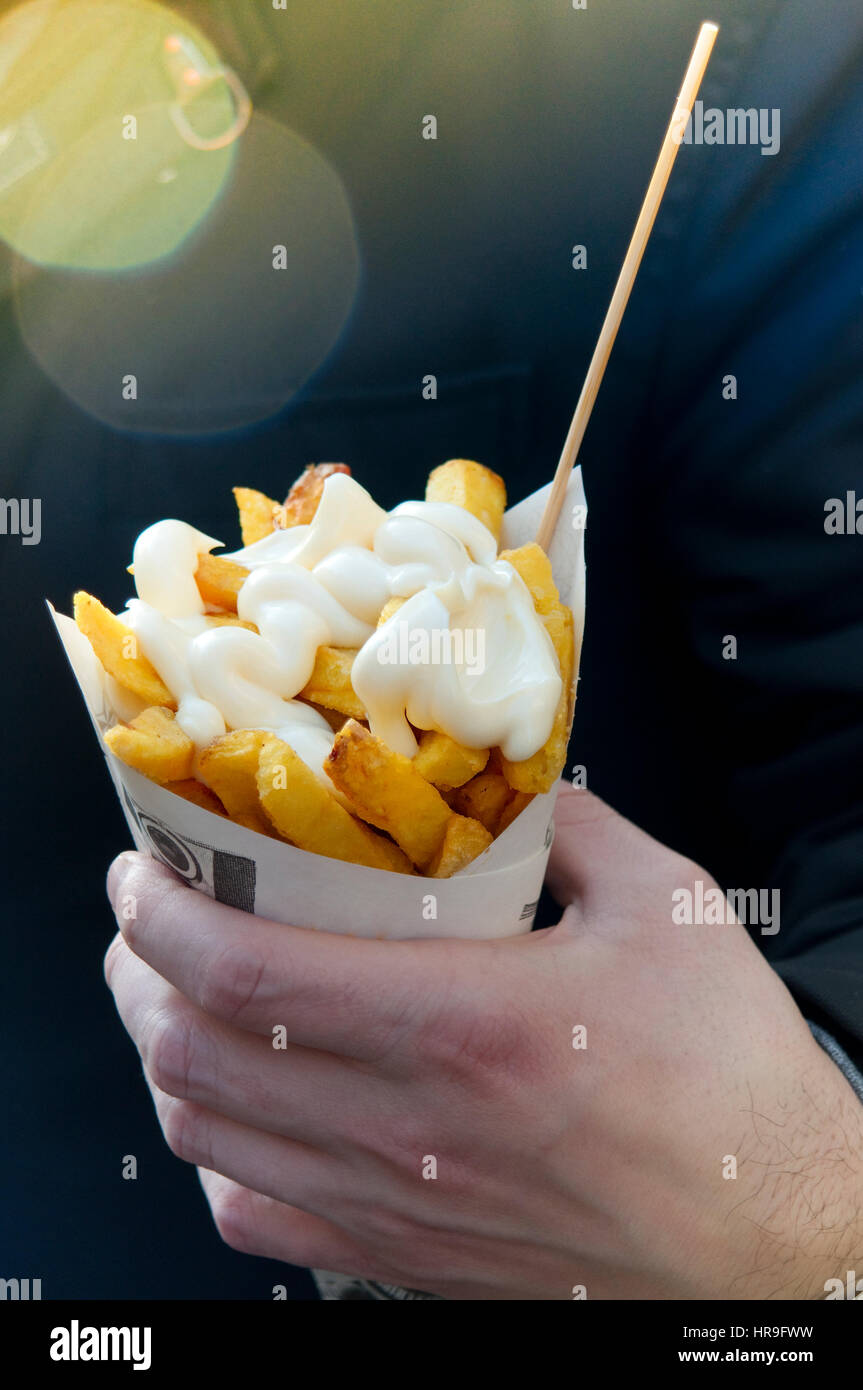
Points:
[(219, 580), (301, 503), (472, 486), (305, 812), (116, 646), (257, 514), (155, 745), (445, 763), (330, 682), (386, 790), (463, 841)]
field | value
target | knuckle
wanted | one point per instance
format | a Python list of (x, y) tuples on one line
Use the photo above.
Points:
[(185, 1131), (384, 1231), (233, 1218), (477, 1045), (232, 982), (168, 1050)]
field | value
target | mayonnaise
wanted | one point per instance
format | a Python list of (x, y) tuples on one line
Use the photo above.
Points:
[(465, 654)]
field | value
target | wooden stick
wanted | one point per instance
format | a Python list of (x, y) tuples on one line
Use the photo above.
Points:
[(629, 270)]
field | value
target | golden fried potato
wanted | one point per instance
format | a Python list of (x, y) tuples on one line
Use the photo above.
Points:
[(198, 794), (302, 501), (304, 812), (483, 798), (257, 514), (154, 744), (539, 772), (228, 620), (391, 606), (445, 763), (513, 808), (219, 580), (116, 646), (330, 682), (385, 789), (534, 566), (229, 766), (472, 486), (463, 840)]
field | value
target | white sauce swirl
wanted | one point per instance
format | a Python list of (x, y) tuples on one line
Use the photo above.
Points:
[(465, 655)]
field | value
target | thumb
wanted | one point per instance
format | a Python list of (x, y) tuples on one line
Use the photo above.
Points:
[(595, 850)]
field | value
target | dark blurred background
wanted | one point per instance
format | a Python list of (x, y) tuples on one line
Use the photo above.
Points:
[(706, 515)]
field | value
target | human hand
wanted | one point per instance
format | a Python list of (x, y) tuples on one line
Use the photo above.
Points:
[(557, 1168)]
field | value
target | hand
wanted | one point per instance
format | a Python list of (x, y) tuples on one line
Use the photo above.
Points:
[(556, 1167)]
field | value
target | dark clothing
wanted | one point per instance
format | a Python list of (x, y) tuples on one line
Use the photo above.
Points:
[(706, 514)]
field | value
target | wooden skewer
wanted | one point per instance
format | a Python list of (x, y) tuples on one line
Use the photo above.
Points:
[(643, 227)]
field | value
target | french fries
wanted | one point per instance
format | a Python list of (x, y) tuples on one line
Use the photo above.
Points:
[(391, 606), (432, 814), (198, 794), (229, 767), (483, 798), (304, 812), (116, 646), (330, 682), (445, 763), (257, 514), (463, 841), (540, 772), (387, 791), (301, 503), (472, 486), (154, 744), (219, 580)]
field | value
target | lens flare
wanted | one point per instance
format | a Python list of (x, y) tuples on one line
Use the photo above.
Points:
[(225, 331), (96, 100)]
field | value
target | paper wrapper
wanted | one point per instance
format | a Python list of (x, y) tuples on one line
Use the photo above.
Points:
[(495, 896)]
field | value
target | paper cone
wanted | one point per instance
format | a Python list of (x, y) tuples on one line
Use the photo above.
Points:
[(495, 896)]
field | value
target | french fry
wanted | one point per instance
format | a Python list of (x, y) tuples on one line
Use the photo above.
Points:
[(198, 794), (257, 514), (330, 682), (513, 808), (228, 620), (229, 766), (391, 606), (483, 798), (463, 840), (445, 763), (534, 566), (154, 744), (116, 646), (302, 501), (219, 580), (387, 791), (539, 772), (472, 486), (304, 812)]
